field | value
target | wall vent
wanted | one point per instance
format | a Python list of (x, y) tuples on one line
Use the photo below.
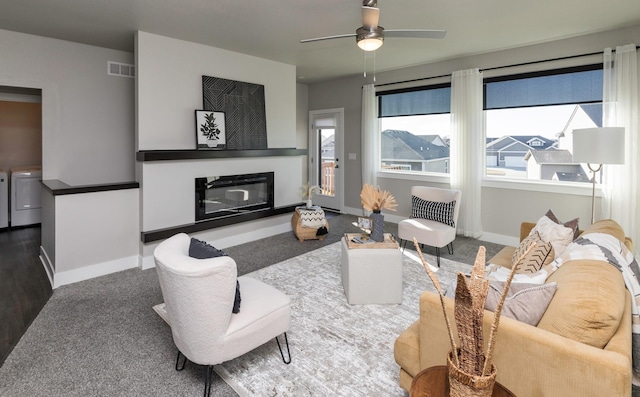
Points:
[(121, 69)]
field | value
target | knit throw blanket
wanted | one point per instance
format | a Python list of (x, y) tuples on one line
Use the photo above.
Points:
[(605, 247)]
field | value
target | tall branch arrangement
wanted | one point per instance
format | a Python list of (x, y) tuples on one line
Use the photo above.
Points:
[(468, 312), (309, 190), (374, 199)]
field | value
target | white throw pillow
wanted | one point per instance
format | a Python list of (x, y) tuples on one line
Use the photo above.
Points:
[(499, 273), (558, 235)]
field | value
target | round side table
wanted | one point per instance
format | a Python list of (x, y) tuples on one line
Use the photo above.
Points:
[(434, 382)]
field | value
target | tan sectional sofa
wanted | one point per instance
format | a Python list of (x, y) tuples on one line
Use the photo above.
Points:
[(580, 347)]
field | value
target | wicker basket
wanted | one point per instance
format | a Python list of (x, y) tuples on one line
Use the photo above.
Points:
[(305, 233), (471, 372), (463, 384)]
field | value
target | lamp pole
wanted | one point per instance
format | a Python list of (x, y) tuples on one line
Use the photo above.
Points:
[(593, 190)]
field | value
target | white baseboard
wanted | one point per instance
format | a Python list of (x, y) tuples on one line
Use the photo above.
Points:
[(46, 263), (92, 271)]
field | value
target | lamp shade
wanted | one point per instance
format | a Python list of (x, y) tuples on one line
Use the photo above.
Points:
[(603, 145)]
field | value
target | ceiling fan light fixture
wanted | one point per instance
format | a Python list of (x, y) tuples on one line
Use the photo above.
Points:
[(370, 39)]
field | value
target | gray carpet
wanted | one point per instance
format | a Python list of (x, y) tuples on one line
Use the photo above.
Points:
[(101, 337)]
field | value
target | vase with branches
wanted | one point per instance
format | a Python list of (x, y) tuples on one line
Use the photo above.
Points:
[(308, 191), (374, 199)]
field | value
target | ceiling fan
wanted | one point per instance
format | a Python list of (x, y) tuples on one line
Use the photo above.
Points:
[(370, 35)]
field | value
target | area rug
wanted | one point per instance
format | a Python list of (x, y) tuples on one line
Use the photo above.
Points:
[(337, 349)]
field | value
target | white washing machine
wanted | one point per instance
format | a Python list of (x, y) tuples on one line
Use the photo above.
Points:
[(4, 199), (25, 196)]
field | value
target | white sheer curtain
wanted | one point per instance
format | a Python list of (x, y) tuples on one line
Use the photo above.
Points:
[(620, 109), (369, 135), (467, 148)]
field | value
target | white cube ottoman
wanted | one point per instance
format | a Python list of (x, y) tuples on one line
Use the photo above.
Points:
[(372, 275)]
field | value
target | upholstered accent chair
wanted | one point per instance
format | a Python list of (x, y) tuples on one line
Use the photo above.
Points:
[(434, 213), (198, 301)]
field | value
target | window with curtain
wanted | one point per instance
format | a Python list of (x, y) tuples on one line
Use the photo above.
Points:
[(530, 117), (415, 129)]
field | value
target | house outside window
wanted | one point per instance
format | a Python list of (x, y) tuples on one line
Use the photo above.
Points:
[(415, 129), (530, 118)]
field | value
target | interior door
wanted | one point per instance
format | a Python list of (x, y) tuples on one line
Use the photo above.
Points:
[(325, 157)]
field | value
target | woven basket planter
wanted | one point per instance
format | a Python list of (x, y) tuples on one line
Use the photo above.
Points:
[(463, 384)]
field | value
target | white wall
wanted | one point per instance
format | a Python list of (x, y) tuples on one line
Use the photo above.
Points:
[(87, 115), (96, 234), (503, 206), (87, 138), (171, 185), (169, 89)]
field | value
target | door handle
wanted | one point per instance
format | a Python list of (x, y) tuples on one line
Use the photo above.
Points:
[(337, 166)]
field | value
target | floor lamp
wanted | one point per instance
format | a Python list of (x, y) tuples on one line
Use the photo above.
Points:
[(598, 146)]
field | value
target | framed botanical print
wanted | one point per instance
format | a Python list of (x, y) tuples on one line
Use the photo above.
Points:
[(210, 130)]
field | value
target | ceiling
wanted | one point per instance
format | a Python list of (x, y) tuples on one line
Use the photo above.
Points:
[(272, 29)]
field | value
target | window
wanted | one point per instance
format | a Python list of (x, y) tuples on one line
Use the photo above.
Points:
[(415, 129), (530, 117)]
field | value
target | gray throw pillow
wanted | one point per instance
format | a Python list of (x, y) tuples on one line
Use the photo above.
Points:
[(524, 302), (201, 250)]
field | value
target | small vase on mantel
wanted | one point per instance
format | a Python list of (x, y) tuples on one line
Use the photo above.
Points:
[(377, 227)]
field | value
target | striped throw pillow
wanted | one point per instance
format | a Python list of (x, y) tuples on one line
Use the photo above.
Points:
[(433, 210), (533, 254)]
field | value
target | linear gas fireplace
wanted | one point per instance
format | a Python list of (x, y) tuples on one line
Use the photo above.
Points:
[(231, 195)]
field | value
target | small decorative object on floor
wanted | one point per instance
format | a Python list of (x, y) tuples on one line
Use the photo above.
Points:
[(471, 372), (374, 199), (308, 191)]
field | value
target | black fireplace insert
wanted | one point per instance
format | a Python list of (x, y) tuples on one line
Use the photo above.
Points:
[(230, 195)]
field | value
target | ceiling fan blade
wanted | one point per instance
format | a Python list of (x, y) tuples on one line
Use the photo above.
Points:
[(416, 33), (370, 16), (337, 36)]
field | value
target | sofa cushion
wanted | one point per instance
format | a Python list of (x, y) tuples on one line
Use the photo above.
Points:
[(433, 210), (499, 273), (588, 304), (572, 224), (558, 235), (524, 302), (607, 226), (406, 349), (532, 254)]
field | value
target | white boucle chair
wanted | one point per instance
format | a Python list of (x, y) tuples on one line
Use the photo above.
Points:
[(198, 301), (432, 232)]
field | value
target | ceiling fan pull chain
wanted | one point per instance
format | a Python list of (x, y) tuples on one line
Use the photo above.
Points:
[(364, 62), (374, 66)]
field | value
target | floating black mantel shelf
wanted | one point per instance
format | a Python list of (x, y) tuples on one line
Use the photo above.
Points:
[(161, 234), (163, 155)]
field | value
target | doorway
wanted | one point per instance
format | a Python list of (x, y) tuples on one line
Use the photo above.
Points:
[(326, 135), (24, 285)]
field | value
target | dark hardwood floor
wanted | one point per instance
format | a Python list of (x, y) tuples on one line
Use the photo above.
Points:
[(24, 286)]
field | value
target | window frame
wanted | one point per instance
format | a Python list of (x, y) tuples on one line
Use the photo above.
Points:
[(531, 184), (487, 181), (436, 177)]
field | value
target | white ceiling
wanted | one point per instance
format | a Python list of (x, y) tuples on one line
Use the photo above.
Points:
[(272, 29)]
